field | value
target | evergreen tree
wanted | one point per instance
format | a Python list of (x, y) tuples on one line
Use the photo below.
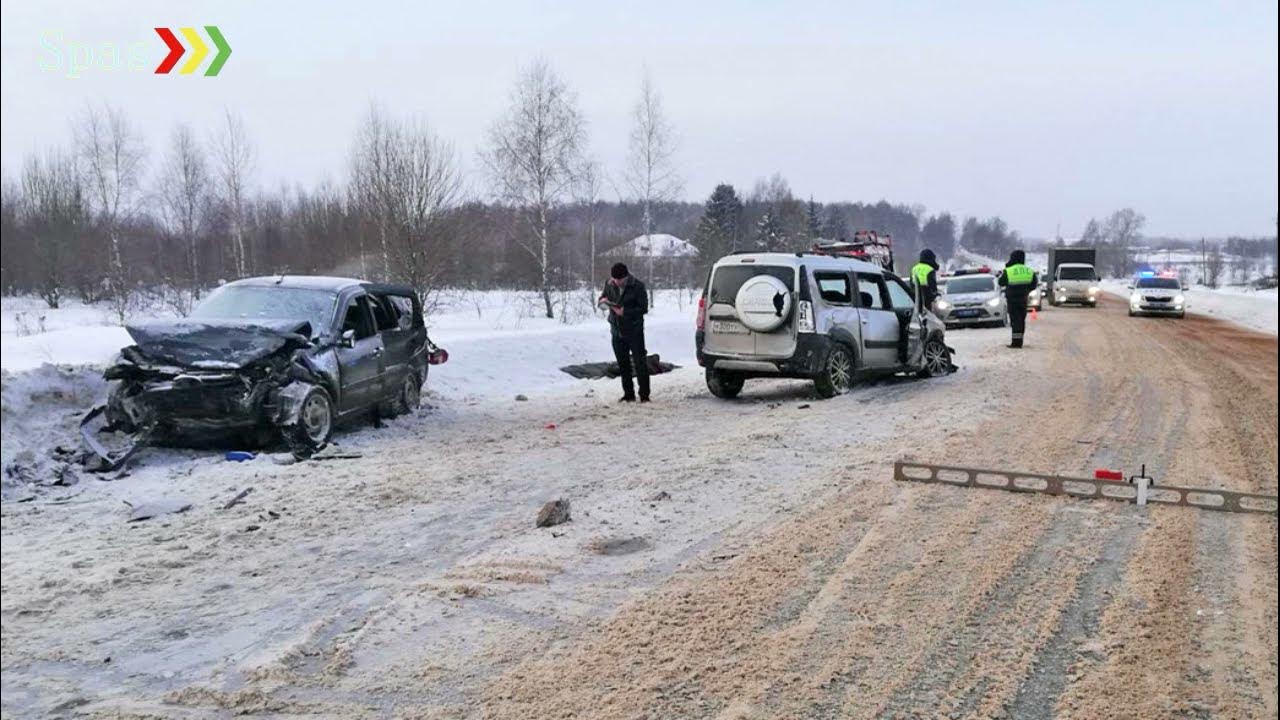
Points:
[(812, 221), (771, 235), (835, 228), (718, 231)]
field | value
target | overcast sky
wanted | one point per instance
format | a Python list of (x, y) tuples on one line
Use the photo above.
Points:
[(1041, 113)]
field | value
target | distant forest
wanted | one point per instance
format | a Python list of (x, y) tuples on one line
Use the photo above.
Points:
[(110, 217)]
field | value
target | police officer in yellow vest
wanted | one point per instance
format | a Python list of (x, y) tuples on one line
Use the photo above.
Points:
[(1018, 281), (924, 275)]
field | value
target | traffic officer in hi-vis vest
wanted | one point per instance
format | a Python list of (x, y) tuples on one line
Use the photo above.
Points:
[(924, 275), (1018, 281)]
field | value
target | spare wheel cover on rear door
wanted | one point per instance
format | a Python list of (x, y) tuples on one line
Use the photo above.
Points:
[(763, 303)]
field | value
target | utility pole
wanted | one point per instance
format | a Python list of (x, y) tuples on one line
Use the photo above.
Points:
[(1204, 262)]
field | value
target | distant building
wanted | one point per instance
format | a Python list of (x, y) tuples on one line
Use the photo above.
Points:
[(657, 245), (661, 260)]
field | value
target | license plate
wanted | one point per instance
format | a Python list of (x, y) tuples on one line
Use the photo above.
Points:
[(723, 327), (966, 313)]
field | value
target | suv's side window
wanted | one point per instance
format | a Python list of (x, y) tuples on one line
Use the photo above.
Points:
[(899, 295), (872, 291), (357, 318), (403, 308), (383, 314), (834, 287)]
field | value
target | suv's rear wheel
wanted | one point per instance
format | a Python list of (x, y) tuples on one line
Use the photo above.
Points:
[(837, 373), (937, 358), (724, 385), (410, 396)]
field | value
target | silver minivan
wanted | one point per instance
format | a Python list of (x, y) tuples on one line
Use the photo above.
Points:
[(812, 316)]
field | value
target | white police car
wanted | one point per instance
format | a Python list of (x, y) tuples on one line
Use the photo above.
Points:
[(1152, 294)]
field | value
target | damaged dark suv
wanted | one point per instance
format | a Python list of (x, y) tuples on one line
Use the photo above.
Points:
[(262, 357)]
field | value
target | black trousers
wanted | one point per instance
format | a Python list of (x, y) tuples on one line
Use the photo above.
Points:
[(629, 351), (1017, 322), (904, 330)]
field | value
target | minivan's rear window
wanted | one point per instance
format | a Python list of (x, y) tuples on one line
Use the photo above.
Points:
[(726, 281)]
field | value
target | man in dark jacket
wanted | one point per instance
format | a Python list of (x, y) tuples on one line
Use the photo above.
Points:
[(1018, 281), (627, 301)]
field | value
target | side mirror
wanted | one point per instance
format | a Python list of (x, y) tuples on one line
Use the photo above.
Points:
[(348, 338), (1129, 286)]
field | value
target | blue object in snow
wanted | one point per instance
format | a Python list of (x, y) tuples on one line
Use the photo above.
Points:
[(239, 455)]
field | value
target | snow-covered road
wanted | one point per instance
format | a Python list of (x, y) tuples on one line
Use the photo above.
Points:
[(746, 558)]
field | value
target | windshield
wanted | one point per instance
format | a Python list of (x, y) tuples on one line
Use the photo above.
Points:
[(726, 281), (256, 302), (1163, 283), (1075, 273), (962, 285)]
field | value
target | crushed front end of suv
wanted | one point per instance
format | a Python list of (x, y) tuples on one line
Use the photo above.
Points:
[(262, 359)]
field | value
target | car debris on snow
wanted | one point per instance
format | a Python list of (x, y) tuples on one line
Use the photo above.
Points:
[(240, 496)]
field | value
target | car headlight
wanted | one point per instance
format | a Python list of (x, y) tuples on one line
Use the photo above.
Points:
[(993, 302), (1177, 300), (942, 305), (1093, 291), (1135, 299)]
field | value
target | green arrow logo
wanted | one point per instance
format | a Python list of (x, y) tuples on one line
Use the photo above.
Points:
[(224, 50)]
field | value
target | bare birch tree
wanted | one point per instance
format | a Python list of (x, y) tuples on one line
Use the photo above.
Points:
[(234, 156), (373, 178), (112, 157), (590, 185), (651, 174), (533, 159), (406, 180), (53, 208), (183, 190)]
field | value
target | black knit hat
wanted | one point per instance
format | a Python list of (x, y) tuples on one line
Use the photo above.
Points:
[(618, 271)]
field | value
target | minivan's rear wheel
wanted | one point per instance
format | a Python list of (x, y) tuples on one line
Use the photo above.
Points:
[(837, 375), (937, 358), (724, 385), (410, 396), (314, 423)]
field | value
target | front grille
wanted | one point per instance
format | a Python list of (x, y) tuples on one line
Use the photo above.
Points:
[(1157, 299)]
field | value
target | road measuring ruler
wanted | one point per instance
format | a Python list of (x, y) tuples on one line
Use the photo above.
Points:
[(1139, 489)]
